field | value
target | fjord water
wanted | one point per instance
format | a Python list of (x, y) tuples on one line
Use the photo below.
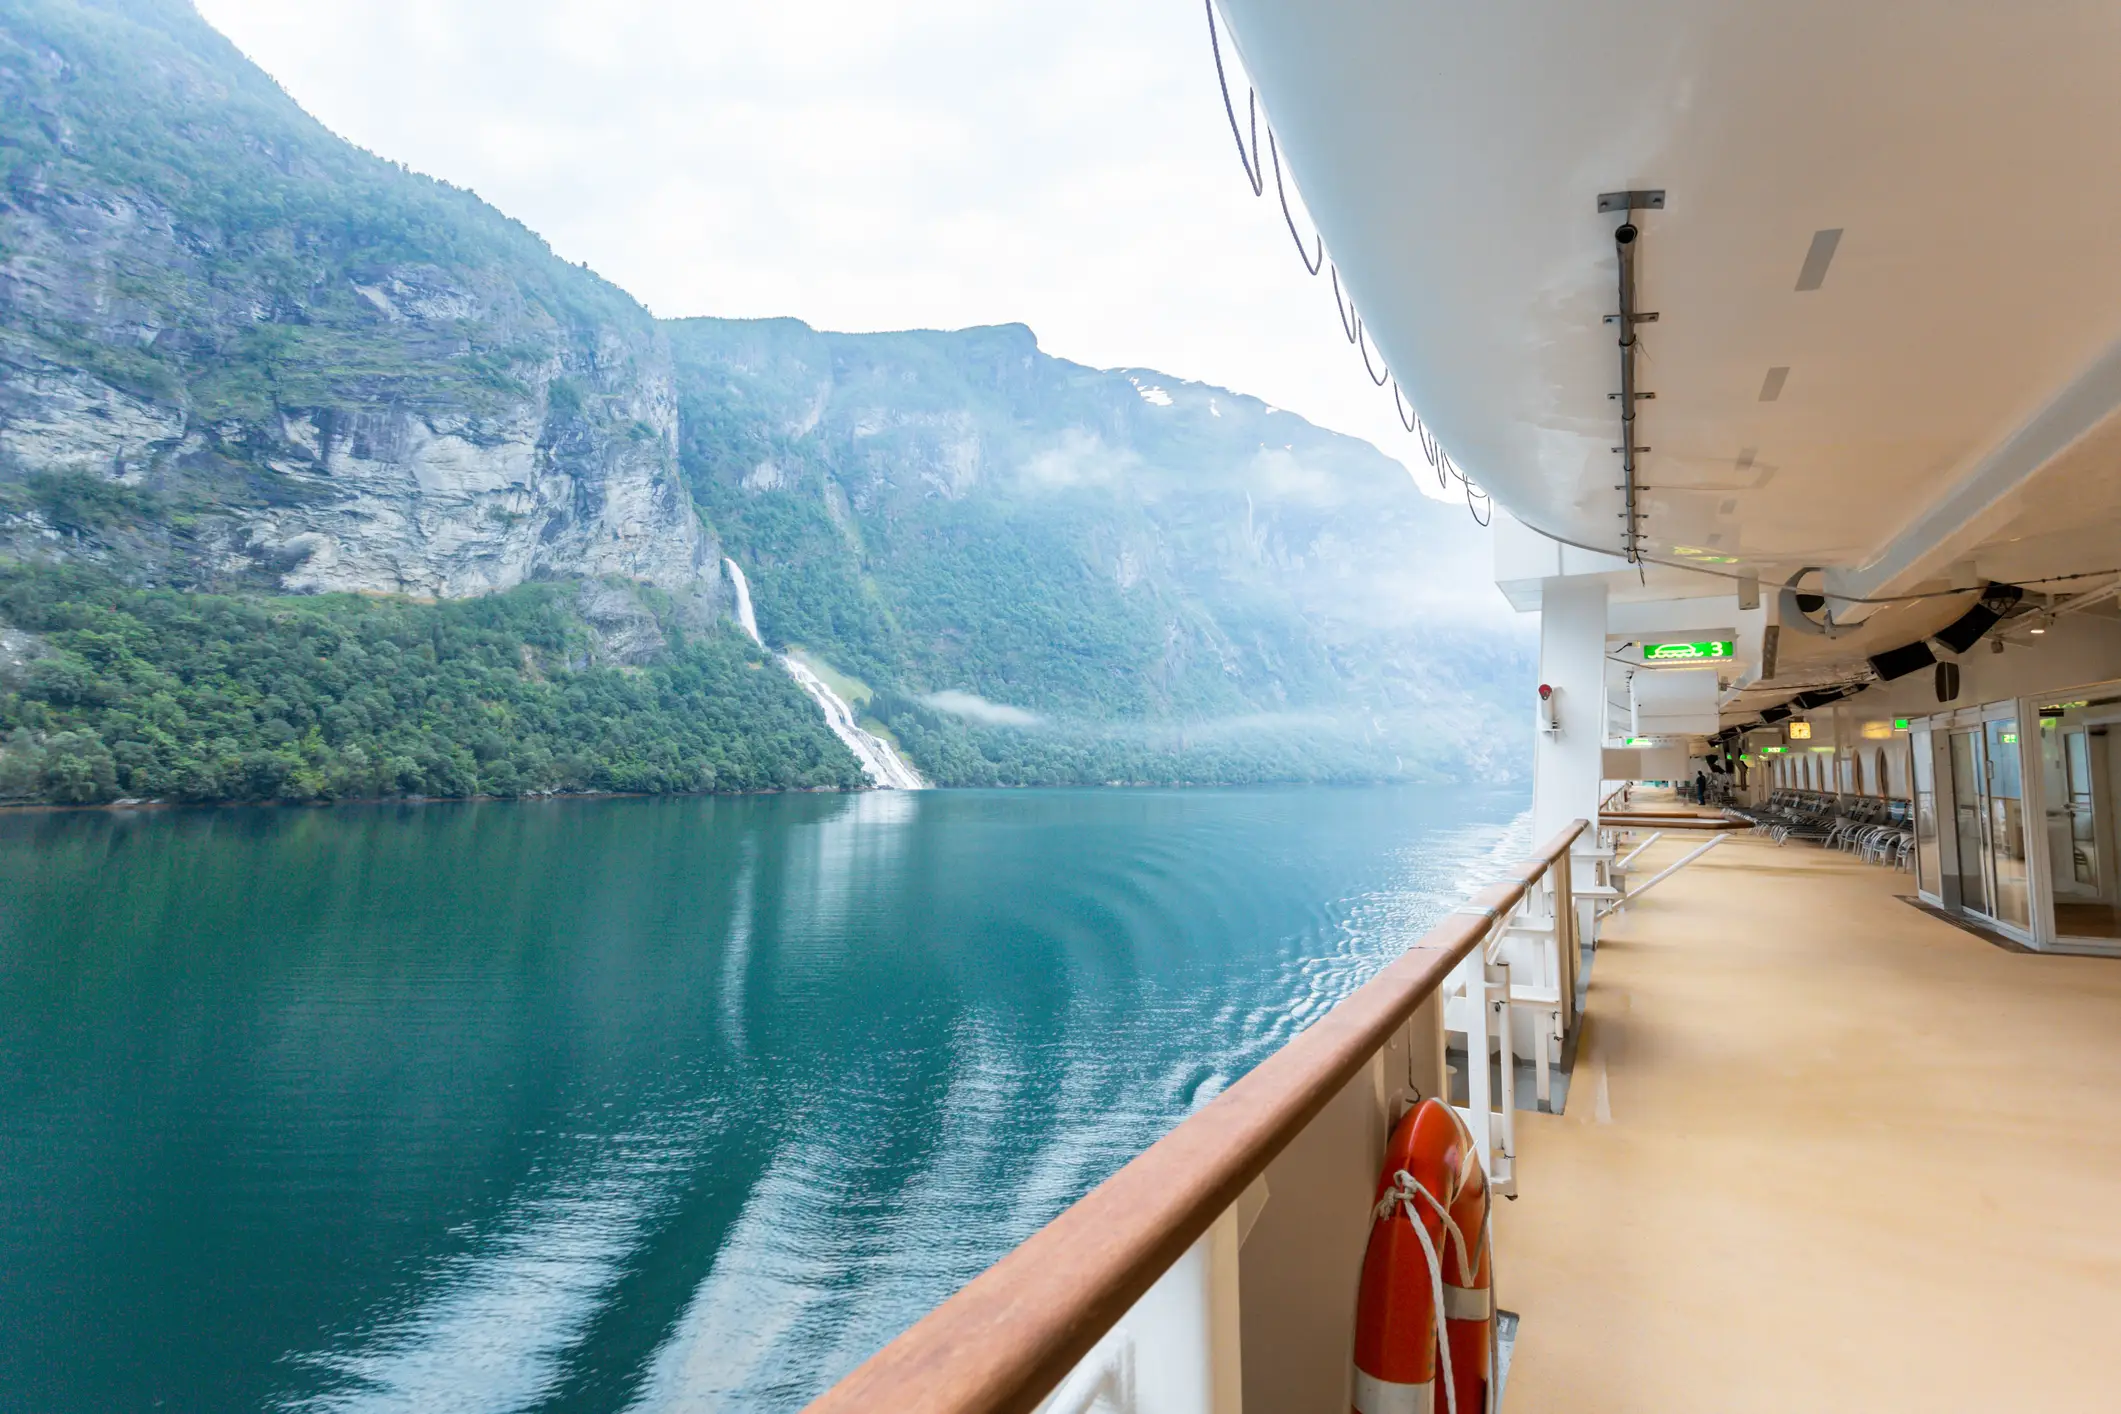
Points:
[(671, 1104)]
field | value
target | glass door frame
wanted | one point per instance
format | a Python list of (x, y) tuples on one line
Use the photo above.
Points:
[(2008, 754), (1922, 766), (2032, 815), (1983, 870), (2040, 872)]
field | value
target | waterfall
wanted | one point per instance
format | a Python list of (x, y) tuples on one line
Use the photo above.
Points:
[(744, 616), (880, 763), (884, 766)]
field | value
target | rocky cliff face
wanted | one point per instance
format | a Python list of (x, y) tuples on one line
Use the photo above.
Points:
[(256, 354)]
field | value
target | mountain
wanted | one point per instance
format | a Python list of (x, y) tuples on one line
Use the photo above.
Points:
[(329, 373), (1033, 560), (272, 407)]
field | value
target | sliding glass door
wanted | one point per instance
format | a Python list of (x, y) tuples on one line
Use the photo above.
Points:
[(2080, 782), (1923, 778), (2006, 824), (1969, 810), (1988, 822)]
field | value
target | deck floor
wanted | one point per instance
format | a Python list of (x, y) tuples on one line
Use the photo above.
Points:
[(1822, 1151)]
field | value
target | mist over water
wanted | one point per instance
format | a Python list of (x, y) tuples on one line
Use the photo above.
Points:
[(674, 1104)]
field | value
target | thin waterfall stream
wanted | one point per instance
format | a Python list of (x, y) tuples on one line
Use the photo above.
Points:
[(880, 760)]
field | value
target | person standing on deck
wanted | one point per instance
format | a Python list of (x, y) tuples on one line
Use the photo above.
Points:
[(1701, 788)]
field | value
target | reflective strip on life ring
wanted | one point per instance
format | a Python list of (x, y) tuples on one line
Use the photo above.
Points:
[(1467, 1303), (1469, 1306), (1375, 1396)]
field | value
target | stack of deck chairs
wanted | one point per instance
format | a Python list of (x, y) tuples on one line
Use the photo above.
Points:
[(1878, 830)]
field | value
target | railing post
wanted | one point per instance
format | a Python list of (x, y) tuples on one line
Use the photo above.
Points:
[(1480, 1097), (1226, 1352), (1567, 954), (1501, 1152)]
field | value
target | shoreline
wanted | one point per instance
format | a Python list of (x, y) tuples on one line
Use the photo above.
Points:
[(28, 806), (542, 796)]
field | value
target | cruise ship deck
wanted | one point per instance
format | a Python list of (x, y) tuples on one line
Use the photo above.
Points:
[(1810, 476), (1822, 1150)]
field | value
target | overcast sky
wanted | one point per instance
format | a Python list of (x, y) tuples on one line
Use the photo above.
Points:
[(859, 165)]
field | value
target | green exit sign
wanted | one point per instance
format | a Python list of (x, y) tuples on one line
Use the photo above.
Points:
[(1685, 652)]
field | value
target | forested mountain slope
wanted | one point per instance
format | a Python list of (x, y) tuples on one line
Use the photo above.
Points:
[(1135, 561), (243, 363), (241, 358)]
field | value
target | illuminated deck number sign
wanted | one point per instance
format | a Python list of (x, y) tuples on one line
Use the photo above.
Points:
[(1686, 652)]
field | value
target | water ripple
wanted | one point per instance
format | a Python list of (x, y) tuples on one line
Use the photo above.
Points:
[(653, 1105)]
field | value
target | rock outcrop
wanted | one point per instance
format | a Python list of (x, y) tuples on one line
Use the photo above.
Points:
[(322, 372)]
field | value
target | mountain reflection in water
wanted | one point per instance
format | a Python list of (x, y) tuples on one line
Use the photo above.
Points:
[(593, 1105)]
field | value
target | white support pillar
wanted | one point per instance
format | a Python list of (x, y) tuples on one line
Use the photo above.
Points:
[(1568, 764)]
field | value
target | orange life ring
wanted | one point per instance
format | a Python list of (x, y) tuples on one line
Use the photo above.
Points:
[(1426, 1311)]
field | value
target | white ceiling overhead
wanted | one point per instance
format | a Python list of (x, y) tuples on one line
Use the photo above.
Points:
[(1947, 405)]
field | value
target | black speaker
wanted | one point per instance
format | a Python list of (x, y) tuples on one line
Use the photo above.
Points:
[(1947, 681), (1899, 662), (1965, 631)]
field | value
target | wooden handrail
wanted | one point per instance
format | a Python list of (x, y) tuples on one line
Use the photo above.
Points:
[(1013, 1333)]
